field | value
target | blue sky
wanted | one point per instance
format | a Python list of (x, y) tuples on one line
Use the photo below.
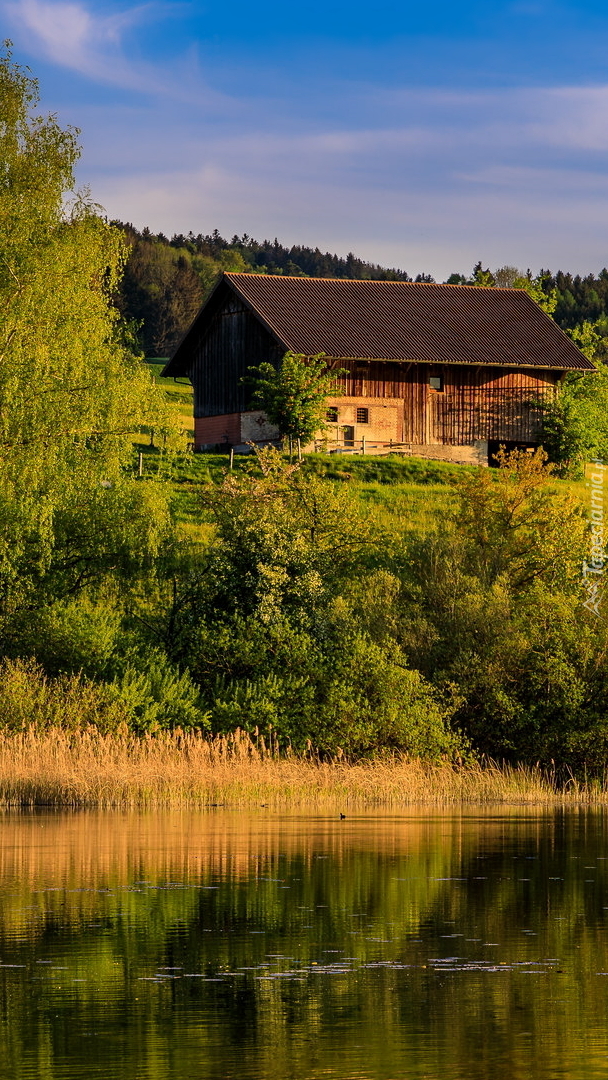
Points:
[(416, 135)]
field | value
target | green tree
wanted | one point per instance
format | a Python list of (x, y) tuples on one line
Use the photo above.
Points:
[(71, 393), (284, 541), (516, 526), (575, 422), (484, 278), (493, 614), (539, 289), (293, 396), (506, 276)]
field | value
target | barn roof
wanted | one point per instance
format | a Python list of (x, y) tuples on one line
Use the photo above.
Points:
[(396, 320)]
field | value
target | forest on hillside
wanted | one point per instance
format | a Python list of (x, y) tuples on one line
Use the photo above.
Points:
[(166, 280)]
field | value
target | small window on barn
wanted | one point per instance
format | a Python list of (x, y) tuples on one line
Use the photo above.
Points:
[(436, 382), (332, 415), (363, 416)]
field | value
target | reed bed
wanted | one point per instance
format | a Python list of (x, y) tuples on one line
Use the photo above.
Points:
[(90, 769)]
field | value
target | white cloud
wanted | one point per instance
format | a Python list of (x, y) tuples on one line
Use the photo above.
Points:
[(426, 179), (71, 36), (524, 218)]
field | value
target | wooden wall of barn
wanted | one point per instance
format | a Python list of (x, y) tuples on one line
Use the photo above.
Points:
[(474, 403), (234, 341)]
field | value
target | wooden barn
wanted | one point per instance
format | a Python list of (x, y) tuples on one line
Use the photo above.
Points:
[(442, 371)]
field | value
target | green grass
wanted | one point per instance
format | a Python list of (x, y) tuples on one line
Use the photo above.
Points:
[(402, 494), (180, 396), (388, 469)]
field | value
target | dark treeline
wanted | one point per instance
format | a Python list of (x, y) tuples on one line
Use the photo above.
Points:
[(271, 257), (166, 280), (580, 299)]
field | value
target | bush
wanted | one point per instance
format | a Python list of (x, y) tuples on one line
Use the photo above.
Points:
[(29, 699), (340, 692), (493, 611)]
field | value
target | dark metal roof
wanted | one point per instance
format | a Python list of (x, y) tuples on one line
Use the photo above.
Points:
[(401, 321)]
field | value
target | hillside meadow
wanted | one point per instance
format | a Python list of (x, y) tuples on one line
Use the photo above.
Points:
[(401, 491)]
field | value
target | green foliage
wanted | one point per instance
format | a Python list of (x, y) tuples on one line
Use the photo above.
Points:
[(294, 395), (284, 540), (506, 276), (141, 700), (29, 699), (339, 690), (156, 695), (270, 637), (540, 289), (493, 615), (71, 395), (580, 299), (516, 527), (484, 278), (74, 636), (575, 422)]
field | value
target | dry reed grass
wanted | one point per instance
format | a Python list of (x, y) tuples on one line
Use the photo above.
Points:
[(91, 769)]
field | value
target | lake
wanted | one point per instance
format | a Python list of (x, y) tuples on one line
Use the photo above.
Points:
[(218, 945)]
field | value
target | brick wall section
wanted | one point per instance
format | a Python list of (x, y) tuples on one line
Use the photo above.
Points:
[(385, 424), (217, 430), (385, 421)]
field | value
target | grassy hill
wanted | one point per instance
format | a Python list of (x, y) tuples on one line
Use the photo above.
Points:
[(401, 493)]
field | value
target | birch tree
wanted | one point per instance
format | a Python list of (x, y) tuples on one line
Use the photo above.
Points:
[(71, 395)]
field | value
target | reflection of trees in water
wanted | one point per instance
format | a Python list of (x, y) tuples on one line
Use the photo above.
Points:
[(390, 896)]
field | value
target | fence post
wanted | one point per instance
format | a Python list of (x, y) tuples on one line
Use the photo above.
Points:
[(231, 457), (140, 464), (363, 444)]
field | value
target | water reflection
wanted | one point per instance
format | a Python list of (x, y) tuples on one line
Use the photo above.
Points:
[(219, 945)]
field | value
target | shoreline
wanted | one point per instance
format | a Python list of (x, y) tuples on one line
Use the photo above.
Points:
[(172, 770)]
